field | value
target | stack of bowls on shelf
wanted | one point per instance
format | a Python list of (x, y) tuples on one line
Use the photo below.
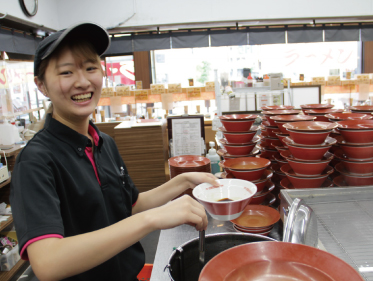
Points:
[(277, 107), (305, 107), (356, 153), (362, 109), (255, 170), (256, 219), (239, 135), (307, 157), (270, 131), (320, 113), (188, 163)]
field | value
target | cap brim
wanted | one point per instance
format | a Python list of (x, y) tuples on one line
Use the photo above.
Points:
[(91, 32)]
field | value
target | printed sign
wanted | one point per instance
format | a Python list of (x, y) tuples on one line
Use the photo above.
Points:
[(141, 95), (123, 91), (194, 92), (210, 86), (362, 79), (3, 78), (157, 89), (138, 85), (174, 88), (318, 81), (107, 92)]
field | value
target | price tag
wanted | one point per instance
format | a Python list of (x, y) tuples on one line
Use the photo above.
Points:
[(210, 86), (157, 89), (141, 94), (174, 88), (194, 92), (107, 92), (362, 79), (318, 81), (138, 85), (123, 91)]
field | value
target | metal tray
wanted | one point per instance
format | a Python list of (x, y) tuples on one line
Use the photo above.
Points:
[(344, 222)]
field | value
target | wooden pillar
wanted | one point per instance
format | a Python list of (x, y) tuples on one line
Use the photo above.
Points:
[(368, 57), (142, 68)]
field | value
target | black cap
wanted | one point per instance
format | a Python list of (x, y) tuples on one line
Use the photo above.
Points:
[(91, 32)]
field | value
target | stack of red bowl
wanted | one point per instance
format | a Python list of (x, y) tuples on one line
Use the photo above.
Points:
[(362, 109), (277, 107), (305, 107), (356, 154), (320, 113), (307, 158), (239, 135), (253, 169), (335, 117), (270, 131), (256, 219), (188, 163)]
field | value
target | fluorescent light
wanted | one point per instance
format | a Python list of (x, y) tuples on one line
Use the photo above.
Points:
[(366, 269), (344, 20), (275, 22)]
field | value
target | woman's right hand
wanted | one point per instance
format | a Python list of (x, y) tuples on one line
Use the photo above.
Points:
[(183, 210)]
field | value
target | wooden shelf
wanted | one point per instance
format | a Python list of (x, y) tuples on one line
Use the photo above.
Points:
[(4, 183), (5, 224), (7, 275)]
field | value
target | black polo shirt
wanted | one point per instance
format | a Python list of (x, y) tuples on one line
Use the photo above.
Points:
[(55, 191)]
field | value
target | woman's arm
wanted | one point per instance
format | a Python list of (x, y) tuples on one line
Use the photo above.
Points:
[(171, 189), (56, 259)]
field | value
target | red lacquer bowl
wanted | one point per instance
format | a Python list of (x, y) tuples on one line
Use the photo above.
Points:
[(238, 117), (267, 153), (282, 136), (309, 138), (239, 137), (310, 126), (249, 175), (277, 107), (245, 163), (361, 108), (355, 168), (308, 152), (286, 184), (335, 117), (340, 181), (238, 126), (357, 136), (239, 149), (271, 131), (305, 107), (270, 113), (320, 113), (310, 168), (353, 180), (356, 152), (307, 182), (266, 142), (288, 171)]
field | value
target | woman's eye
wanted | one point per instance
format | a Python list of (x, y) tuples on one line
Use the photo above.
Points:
[(65, 72), (91, 68)]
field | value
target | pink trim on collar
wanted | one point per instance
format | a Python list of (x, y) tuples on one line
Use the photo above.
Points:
[(93, 134), (24, 255)]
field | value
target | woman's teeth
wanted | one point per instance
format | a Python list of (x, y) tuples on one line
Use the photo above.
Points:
[(81, 98)]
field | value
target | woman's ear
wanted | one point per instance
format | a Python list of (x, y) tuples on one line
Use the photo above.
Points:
[(41, 86)]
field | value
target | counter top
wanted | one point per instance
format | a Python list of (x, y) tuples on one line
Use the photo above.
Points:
[(173, 238)]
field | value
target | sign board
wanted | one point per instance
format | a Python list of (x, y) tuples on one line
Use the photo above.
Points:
[(174, 88), (210, 87), (107, 92), (138, 85), (123, 91), (194, 92), (157, 89), (141, 95)]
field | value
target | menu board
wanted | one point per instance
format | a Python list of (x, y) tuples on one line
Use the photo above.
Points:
[(210, 87), (107, 92), (362, 79), (318, 81), (174, 88), (157, 89), (141, 95), (138, 85), (123, 91), (194, 92), (186, 136)]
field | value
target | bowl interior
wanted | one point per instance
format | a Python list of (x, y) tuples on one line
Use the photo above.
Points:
[(310, 126), (232, 189), (246, 163)]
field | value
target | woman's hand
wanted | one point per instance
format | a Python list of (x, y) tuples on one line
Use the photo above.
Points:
[(196, 178), (183, 210)]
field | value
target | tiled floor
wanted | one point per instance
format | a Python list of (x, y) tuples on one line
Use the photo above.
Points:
[(149, 244)]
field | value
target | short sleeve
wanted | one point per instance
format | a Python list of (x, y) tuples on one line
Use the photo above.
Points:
[(34, 200)]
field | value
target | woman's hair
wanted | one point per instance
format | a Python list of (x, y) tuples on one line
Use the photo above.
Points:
[(81, 50)]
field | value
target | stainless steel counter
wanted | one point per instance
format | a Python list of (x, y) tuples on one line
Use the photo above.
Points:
[(173, 238)]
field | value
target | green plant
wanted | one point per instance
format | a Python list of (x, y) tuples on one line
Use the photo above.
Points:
[(204, 70)]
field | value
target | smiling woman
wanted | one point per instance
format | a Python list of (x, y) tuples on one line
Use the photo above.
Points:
[(70, 189)]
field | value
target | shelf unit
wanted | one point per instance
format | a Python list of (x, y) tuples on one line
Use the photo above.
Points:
[(21, 112)]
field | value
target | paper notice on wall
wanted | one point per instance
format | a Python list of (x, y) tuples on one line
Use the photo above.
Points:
[(174, 88), (186, 136)]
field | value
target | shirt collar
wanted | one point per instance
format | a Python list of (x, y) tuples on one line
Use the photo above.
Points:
[(77, 141)]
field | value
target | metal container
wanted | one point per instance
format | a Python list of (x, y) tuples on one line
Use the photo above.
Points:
[(184, 264)]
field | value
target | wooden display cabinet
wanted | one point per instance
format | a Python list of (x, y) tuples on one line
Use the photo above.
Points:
[(11, 155)]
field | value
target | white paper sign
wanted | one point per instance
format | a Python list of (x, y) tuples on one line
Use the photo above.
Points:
[(186, 136)]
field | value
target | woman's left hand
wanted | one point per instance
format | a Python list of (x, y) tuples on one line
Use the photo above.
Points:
[(196, 178)]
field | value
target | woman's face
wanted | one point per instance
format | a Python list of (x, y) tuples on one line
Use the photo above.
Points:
[(74, 86)]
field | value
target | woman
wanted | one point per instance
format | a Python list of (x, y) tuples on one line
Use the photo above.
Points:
[(77, 213)]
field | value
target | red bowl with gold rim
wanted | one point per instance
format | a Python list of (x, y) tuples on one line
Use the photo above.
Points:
[(277, 107), (335, 117), (271, 113), (357, 152), (309, 168), (308, 152), (320, 113), (305, 107), (239, 137)]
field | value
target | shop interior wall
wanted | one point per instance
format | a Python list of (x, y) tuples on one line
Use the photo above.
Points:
[(142, 68), (59, 14), (368, 57)]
